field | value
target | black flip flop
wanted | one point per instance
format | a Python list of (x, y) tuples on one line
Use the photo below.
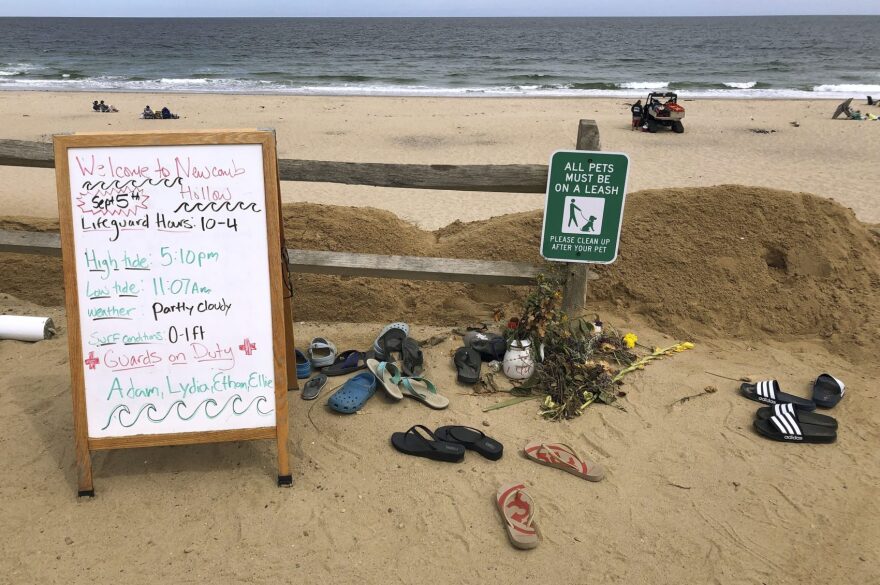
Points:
[(828, 391), (391, 342), (473, 439), (767, 391), (413, 442), (787, 427), (467, 363), (808, 418), (313, 387), (347, 362), (412, 358)]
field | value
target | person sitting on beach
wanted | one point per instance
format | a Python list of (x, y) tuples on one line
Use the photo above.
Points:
[(167, 115), (105, 108), (96, 106), (148, 113)]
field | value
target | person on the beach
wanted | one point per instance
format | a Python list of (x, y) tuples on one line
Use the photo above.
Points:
[(148, 113), (571, 216), (102, 107)]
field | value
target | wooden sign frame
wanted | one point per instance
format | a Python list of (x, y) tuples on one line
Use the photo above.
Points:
[(282, 332)]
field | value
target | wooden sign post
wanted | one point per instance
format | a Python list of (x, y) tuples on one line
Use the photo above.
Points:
[(174, 290)]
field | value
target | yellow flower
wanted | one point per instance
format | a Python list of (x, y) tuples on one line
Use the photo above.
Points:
[(629, 340)]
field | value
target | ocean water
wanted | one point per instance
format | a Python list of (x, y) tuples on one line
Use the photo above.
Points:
[(776, 57)]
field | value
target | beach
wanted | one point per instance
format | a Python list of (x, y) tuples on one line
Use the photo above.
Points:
[(719, 146), (750, 236)]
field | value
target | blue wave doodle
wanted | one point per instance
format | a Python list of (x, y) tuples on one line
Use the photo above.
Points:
[(175, 406)]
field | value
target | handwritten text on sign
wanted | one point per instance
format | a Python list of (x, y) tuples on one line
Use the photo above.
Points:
[(172, 266)]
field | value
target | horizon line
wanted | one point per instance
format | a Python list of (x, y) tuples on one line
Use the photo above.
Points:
[(666, 16)]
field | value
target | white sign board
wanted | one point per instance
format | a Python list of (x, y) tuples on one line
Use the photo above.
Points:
[(173, 283)]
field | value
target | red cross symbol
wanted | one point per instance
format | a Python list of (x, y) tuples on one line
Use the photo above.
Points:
[(92, 361), (247, 347)]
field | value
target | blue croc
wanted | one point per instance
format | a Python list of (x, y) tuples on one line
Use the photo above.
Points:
[(303, 365), (353, 394)]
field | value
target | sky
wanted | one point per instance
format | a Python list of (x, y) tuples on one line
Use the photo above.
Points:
[(188, 8)]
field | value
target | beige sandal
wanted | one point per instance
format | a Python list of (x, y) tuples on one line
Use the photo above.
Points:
[(423, 390), (561, 456), (518, 510), (388, 375)]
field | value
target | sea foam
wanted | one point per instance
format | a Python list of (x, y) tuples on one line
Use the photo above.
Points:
[(848, 88)]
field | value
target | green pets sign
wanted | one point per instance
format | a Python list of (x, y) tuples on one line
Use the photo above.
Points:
[(583, 212)]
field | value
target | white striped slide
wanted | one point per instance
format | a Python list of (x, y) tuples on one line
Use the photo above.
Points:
[(785, 425), (809, 418), (768, 392)]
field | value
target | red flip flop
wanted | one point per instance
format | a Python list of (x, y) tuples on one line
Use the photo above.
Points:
[(518, 511), (561, 456)]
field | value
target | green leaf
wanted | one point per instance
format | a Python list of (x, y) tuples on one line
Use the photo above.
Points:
[(510, 402)]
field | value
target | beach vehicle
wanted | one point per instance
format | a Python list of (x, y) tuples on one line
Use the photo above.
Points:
[(662, 109)]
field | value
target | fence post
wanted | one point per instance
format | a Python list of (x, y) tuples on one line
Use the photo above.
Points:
[(574, 295)]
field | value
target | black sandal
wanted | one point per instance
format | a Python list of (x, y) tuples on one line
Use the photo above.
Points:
[(347, 362), (785, 425), (805, 417), (473, 439), (768, 392), (411, 355), (467, 365), (390, 343), (413, 443), (828, 391)]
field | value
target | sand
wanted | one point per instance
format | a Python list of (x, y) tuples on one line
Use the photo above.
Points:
[(768, 282), (692, 495), (731, 261), (834, 158)]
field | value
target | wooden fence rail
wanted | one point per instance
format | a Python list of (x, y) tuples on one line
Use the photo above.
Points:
[(339, 263), (486, 178), (491, 178)]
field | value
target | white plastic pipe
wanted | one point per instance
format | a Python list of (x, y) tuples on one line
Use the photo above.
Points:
[(26, 328)]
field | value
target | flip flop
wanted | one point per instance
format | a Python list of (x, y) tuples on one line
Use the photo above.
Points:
[(768, 392), (313, 387), (412, 442), (322, 352), (424, 391), (828, 391), (388, 374), (352, 396), (412, 358), (808, 418), (561, 456), (303, 365), (398, 328), (347, 362), (473, 439), (467, 365), (518, 510), (787, 427)]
